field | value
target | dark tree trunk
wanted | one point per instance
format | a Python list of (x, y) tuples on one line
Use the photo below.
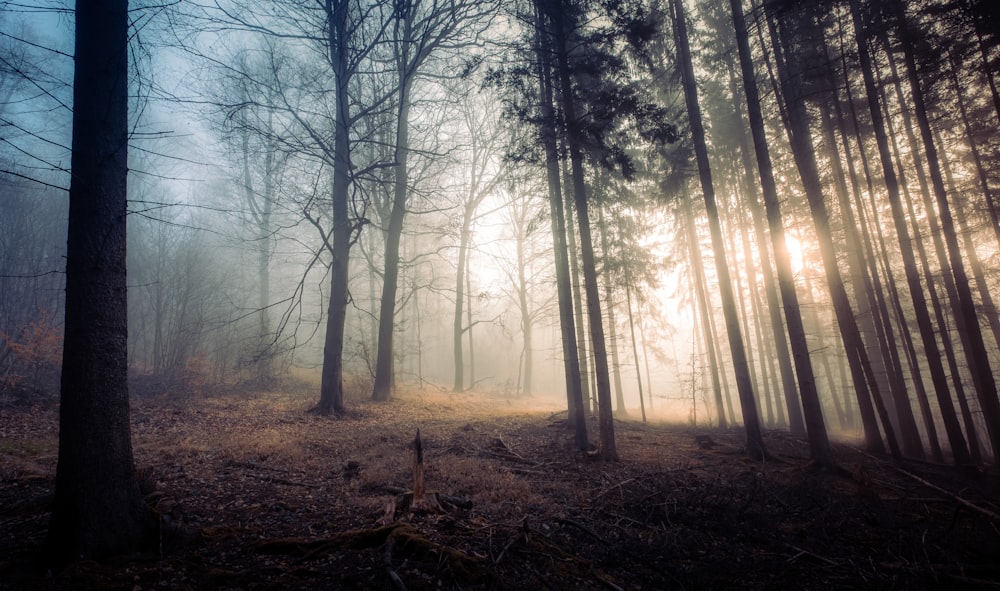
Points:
[(331, 397), (816, 428), (968, 321), (932, 279), (875, 242), (958, 444), (779, 338), (606, 424), (744, 384), (571, 355), (792, 81), (866, 307), (583, 349), (98, 509), (382, 388)]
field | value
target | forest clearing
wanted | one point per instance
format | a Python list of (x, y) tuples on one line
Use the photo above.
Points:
[(774, 222), (255, 493)]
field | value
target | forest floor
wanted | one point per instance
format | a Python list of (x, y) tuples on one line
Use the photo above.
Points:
[(256, 494)]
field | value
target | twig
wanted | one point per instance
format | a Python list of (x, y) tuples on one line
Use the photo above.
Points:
[(802, 552), (611, 488)]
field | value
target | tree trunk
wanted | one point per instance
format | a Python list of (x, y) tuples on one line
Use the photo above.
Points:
[(779, 338), (702, 311), (875, 242), (98, 509), (635, 347), (805, 161), (988, 309), (606, 424), (744, 385), (457, 323), (390, 276), (968, 321), (527, 352), (583, 350), (609, 298), (876, 347), (470, 324), (331, 398), (906, 248), (571, 355)]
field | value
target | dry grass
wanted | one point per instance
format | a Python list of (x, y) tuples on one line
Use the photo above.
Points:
[(284, 499)]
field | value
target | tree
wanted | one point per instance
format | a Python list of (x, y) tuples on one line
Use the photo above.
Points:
[(561, 17), (748, 403), (345, 60), (484, 175), (967, 318), (98, 508), (932, 354), (548, 132), (419, 30)]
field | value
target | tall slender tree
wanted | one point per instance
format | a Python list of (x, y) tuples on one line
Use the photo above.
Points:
[(967, 318), (562, 19), (816, 428), (549, 134), (420, 29), (340, 27), (744, 384)]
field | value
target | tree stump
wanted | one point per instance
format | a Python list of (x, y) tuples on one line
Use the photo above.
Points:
[(417, 500)]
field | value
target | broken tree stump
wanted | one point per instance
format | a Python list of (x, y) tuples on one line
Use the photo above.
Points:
[(417, 500)]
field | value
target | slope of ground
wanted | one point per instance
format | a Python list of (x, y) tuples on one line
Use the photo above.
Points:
[(257, 494)]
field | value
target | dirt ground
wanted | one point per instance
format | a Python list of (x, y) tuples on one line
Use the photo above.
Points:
[(254, 493)]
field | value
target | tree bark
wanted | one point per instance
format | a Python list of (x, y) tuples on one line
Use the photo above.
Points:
[(98, 509)]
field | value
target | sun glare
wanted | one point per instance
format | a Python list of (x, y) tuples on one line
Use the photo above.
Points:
[(794, 247)]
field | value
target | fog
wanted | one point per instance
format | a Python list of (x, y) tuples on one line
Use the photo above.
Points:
[(258, 159)]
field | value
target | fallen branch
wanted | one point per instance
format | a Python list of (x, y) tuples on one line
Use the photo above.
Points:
[(967, 504)]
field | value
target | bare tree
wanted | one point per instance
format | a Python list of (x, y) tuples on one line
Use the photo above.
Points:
[(420, 29), (482, 175)]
